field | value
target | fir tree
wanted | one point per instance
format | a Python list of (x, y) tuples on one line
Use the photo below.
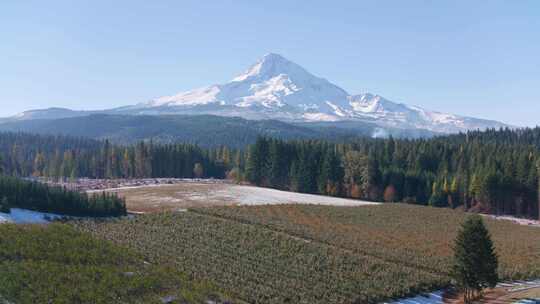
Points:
[(475, 262)]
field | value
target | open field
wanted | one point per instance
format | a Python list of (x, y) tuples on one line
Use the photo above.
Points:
[(57, 264), (419, 236), (317, 254), (188, 194)]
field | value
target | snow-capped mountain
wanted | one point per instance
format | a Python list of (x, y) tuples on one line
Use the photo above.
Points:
[(276, 88), (272, 83)]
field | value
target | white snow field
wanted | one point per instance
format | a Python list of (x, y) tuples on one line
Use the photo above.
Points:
[(23, 216), (5, 218), (249, 195), (520, 221), (431, 298), (209, 193), (436, 297)]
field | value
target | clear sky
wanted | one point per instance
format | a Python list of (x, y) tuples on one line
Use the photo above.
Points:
[(477, 58)]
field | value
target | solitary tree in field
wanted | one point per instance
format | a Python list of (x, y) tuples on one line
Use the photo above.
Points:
[(475, 262)]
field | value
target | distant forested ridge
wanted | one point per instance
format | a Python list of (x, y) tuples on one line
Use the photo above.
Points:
[(203, 130), (492, 171), (206, 131), (495, 171)]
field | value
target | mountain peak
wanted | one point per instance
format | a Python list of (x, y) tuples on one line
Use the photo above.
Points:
[(277, 88), (273, 56), (270, 65)]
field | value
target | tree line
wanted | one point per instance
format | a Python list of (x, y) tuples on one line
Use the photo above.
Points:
[(492, 171), (18, 193)]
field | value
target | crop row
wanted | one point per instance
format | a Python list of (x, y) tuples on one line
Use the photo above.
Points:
[(58, 264), (259, 265), (416, 236)]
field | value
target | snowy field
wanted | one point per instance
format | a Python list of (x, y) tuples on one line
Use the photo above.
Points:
[(205, 194), (22, 216), (431, 298), (520, 221), (522, 292), (249, 195)]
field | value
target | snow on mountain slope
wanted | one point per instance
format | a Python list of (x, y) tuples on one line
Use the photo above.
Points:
[(272, 83), (276, 88), (412, 117), (200, 96)]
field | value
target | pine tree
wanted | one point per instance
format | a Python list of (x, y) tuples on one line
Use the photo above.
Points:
[(251, 165), (475, 188), (475, 262), (438, 197), (126, 164), (330, 175), (39, 164), (277, 170), (257, 164), (453, 196), (357, 173)]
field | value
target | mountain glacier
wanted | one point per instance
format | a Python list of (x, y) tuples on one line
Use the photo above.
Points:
[(276, 88)]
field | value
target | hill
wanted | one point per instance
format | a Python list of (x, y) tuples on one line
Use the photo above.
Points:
[(203, 130)]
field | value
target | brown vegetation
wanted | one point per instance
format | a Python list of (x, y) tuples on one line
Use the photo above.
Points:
[(318, 254)]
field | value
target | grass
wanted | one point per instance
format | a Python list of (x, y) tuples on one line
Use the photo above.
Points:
[(58, 264)]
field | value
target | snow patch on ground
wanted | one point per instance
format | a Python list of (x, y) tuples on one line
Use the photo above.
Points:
[(431, 298), (23, 216), (248, 195), (172, 197), (437, 297), (5, 218), (520, 221)]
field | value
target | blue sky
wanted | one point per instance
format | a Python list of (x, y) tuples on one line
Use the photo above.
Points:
[(477, 58)]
